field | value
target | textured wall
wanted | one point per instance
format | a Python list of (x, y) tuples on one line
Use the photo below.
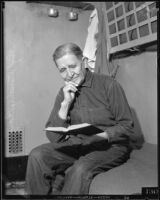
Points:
[(138, 76), (31, 79)]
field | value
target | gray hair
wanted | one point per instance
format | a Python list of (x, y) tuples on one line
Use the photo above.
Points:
[(68, 48)]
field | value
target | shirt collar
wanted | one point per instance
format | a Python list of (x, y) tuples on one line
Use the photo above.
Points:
[(88, 79)]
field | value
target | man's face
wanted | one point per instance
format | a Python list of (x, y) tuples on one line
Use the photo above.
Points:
[(71, 68)]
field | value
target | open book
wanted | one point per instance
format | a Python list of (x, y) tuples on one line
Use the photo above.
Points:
[(83, 128)]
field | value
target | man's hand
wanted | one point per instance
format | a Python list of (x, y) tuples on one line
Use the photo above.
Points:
[(69, 91), (94, 139)]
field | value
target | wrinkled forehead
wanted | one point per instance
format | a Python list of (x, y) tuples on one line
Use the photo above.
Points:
[(71, 54), (68, 59)]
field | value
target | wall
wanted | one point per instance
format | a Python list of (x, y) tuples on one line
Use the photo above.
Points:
[(31, 79), (138, 76)]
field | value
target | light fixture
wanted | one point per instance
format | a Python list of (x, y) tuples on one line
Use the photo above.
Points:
[(72, 15), (53, 12)]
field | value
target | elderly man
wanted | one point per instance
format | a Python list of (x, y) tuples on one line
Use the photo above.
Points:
[(72, 162)]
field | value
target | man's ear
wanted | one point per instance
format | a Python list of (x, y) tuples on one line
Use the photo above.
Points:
[(85, 62), (84, 58)]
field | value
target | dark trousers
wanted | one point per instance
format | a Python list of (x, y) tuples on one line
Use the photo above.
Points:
[(84, 163)]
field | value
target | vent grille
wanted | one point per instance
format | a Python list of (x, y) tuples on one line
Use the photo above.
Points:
[(15, 142)]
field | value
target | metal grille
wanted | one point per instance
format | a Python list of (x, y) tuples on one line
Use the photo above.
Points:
[(15, 143)]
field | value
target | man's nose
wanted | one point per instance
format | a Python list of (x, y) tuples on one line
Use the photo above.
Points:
[(69, 72)]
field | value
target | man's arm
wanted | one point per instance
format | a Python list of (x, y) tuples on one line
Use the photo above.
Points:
[(55, 120), (59, 115), (120, 109)]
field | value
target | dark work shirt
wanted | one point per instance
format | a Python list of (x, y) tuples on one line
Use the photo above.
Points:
[(100, 101)]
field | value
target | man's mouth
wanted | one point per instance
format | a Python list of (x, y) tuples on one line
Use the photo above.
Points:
[(73, 79)]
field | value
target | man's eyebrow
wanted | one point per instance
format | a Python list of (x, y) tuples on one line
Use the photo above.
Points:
[(71, 65)]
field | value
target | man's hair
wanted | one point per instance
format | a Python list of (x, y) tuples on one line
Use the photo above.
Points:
[(68, 48)]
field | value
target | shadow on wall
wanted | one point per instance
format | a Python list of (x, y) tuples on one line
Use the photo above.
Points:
[(137, 139)]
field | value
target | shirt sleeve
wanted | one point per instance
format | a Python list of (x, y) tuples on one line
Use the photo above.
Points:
[(54, 119), (121, 111)]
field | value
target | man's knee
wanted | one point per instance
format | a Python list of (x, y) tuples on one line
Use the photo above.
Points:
[(80, 169), (37, 153)]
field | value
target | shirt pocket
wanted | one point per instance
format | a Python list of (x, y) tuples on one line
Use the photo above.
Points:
[(98, 116)]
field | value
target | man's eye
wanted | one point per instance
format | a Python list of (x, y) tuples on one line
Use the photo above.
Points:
[(62, 70)]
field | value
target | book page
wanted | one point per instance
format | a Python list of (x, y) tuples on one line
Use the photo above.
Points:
[(63, 129), (77, 126), (56, 129)]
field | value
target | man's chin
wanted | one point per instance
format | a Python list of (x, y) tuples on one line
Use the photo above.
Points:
[(77, 81)]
